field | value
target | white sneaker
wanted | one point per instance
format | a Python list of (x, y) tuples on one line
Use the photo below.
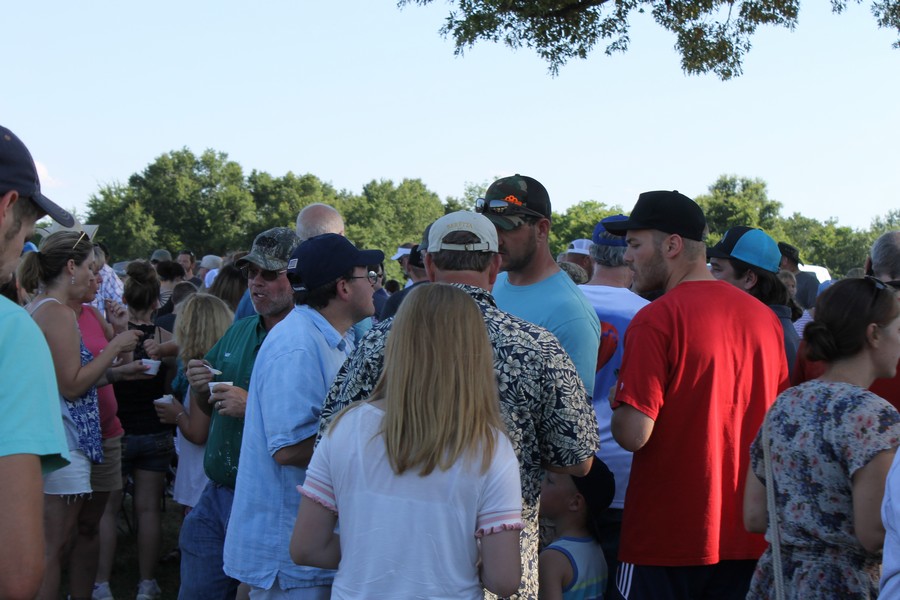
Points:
[(148, 590), (102, 591)]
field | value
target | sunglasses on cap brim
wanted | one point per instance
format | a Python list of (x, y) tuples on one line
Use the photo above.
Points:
[(503, 208)]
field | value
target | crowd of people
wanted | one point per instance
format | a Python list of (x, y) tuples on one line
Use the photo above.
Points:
[(645, 416)]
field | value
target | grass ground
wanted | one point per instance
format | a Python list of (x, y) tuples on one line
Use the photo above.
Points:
[(124, 580)]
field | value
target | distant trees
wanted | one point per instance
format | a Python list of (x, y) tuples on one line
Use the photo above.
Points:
[(205, 203)]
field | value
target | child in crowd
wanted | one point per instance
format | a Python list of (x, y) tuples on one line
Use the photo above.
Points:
[(426, 459), (573, 566)]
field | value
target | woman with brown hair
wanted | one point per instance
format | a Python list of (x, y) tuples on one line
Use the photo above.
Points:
[(819, 462), (61, 271), (148, 445)]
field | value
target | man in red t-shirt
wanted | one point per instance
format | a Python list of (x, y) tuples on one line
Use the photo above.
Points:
[(702, 364)]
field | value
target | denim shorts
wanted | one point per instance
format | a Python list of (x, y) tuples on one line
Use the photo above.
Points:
[(148, 452)]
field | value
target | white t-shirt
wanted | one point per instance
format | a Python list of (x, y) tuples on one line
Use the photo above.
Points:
[(615, 308), (405, 536)]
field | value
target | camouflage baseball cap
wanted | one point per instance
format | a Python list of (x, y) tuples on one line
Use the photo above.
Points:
[(516, 196), (272, 249)]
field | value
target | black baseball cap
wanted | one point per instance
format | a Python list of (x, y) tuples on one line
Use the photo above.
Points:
[(789, 252), (18, 172), (670, 212)]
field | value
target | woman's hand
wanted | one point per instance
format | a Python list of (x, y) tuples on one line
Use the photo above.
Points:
[(168, 413), (116, 315), (125, 341), (151, 347), (130, 371)]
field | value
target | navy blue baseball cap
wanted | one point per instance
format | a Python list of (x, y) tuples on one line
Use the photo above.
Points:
[(610, 239), (749, 245), (325, 258), (18, 172)]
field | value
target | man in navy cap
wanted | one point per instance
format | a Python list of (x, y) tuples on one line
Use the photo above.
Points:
[(333, 284), (32, 440), (702, 364)]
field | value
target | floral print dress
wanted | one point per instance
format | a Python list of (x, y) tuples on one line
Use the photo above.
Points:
[(820, 434)]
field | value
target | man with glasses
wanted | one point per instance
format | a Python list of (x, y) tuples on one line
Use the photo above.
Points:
[(333, 281), (203, 532), (312, 220), (32, 440), (532, 286)]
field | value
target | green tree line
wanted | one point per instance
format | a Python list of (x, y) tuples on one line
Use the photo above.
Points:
[(207, 204)]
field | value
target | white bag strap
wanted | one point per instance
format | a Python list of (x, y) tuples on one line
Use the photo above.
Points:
[(774, 533)]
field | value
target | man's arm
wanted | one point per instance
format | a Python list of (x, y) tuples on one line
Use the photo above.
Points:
[(296, 455), (630, 427), (568, 428), (21, 526), (579, 470)]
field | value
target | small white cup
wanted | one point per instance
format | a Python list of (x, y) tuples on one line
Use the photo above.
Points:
[(153, 364), (167, 399), (213, 384)]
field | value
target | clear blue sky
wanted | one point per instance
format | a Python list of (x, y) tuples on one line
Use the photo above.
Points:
[(357, 90)]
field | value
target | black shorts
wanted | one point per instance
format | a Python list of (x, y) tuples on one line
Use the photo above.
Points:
[(725, 580)]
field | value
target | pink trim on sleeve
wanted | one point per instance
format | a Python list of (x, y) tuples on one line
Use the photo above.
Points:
[(317, 499), (498, 528)]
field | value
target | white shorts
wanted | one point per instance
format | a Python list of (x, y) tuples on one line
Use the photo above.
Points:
[(71, 480)]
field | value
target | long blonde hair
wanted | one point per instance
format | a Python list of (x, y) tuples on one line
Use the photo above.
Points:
[(438, 383), (202, 320)]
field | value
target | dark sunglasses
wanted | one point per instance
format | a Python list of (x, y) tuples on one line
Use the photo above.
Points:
[(250, 272), (503, 208)]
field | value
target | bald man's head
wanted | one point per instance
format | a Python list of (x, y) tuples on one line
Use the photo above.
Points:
[(317, 219)]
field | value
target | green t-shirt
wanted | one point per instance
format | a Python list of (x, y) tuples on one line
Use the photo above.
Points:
[(234, 355)]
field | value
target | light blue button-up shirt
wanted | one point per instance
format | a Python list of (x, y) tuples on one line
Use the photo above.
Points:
[(291, 377)]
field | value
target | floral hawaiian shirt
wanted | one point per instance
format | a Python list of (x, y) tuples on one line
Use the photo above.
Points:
[(543, 402)]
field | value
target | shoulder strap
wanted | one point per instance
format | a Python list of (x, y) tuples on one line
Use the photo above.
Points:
[(774, 534), (34, 308)]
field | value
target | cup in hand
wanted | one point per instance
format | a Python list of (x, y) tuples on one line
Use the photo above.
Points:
[(153, 364), (167, 399), (213, 384)]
